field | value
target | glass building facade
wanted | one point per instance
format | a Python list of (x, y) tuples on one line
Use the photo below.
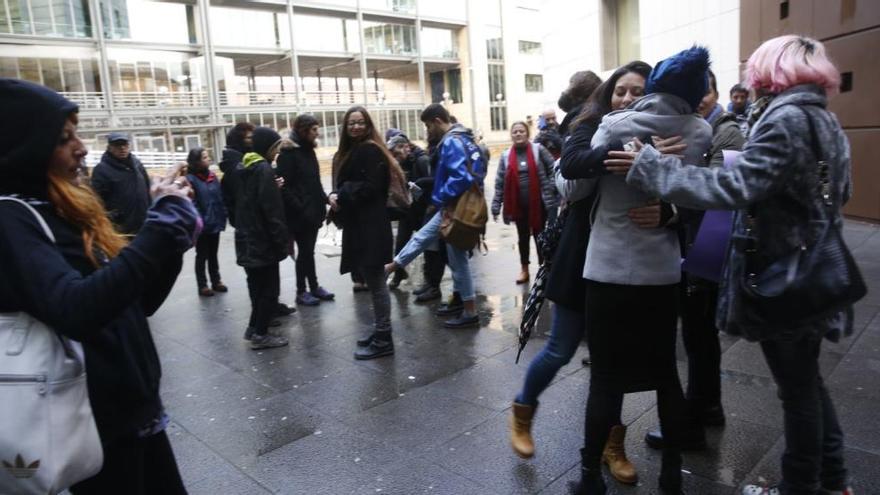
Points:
[(177, 74)]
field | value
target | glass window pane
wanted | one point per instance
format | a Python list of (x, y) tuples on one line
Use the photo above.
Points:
[(145, 20), (51, 73)]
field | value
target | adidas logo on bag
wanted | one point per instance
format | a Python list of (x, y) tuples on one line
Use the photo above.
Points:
[(20, 470)]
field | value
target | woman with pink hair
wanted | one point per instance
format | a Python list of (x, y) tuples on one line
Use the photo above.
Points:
[(793, 175)]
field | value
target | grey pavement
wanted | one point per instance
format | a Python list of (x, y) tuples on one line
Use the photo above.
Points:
[(309, 419)]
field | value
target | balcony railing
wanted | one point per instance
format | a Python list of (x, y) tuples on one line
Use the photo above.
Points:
[(253, 98), (87, 100), (149, 159), (151, 99)]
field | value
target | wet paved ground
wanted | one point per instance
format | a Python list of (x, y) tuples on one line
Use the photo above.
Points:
[(309, 419)]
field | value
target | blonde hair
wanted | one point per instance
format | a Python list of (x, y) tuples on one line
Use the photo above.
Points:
[(80, 206)]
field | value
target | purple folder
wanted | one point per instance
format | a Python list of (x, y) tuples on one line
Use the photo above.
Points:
[(705, 258)]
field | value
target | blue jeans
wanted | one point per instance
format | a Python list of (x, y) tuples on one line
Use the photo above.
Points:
[(565, 336), (459, 262)]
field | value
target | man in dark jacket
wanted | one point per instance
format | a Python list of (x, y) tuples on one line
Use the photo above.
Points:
[(123, 184), (416, 165), (305, 205), (699, 296), (549, 136), (261, 235), (239, 141)]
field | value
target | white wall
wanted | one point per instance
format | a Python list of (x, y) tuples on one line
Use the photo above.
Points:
[(572, 37)]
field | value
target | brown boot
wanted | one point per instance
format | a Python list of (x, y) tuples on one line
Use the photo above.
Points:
[(521, 430), (523, 275), (615, 456)]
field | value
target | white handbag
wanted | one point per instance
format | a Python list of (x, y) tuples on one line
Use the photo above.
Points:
[(48, 437)]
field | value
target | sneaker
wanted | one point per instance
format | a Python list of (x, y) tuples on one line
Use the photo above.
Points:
[(454, 306), (465, 320), (267, 341), (307, 299), (285, 310), (431, 294), (249, 332), (206, 292), (323, 294), (761, 490), (220, 287), (421, 290), (275, 323), (712, 415), (399, 276), (377, 348)]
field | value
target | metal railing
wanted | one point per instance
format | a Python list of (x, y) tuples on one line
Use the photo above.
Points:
[(254, 98), (154, 99), (149, 159), (87, 100)]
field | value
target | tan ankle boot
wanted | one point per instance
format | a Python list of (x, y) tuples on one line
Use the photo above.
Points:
[(615, 456), (521, 430), (523, 275)]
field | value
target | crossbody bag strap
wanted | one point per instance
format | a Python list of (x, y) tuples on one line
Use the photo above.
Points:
[(35, 213)]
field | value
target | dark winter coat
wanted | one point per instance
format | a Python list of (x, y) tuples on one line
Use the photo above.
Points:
[(260, 226), (551, 140), (565, 284), (565, 126), (776, 175), (305, 202), (209, 201), (230, 165), (104, 308), (362, 189), (124, 186)]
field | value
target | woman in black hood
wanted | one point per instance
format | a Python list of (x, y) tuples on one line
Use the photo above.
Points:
[(90, 284)]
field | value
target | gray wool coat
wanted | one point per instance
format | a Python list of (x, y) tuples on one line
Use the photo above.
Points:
[(545, 163), (777, 177), (619, 251)]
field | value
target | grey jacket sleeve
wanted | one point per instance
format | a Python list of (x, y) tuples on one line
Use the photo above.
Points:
[(548, 185), (761, 170), (499, 185)]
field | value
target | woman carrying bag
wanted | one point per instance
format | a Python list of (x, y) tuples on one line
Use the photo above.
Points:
[(788, 186), (89, 285), (524, 186)]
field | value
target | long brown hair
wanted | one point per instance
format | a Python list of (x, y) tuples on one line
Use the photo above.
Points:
[(80, 206), (371, 136), (599, 103)]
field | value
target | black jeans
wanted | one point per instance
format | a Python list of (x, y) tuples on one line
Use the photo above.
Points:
[(206, 252), (264, 286), (524, 233), (376, 281), (700, 338), (305, 260), (813, 455), (434, 265), (139, 466)]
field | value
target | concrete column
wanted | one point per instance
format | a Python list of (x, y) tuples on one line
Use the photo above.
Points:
[(470, 65), (103, 62), (294, 58), (420, 58), (208, 52), (360, 21)]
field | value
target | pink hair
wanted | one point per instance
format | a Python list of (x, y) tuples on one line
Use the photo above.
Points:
[(789, 60)]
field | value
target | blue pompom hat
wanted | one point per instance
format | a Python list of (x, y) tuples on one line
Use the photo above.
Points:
[(683, 75)]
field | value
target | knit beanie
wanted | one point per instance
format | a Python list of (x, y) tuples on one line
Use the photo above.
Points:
[(264, 138), (682, 75)]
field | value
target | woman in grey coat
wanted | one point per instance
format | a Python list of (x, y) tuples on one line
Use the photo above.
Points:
[(775, 182), (632, 273), (524, 186)]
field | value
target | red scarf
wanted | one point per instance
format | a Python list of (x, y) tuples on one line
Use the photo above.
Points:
[(511, 190), (206, 176)]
